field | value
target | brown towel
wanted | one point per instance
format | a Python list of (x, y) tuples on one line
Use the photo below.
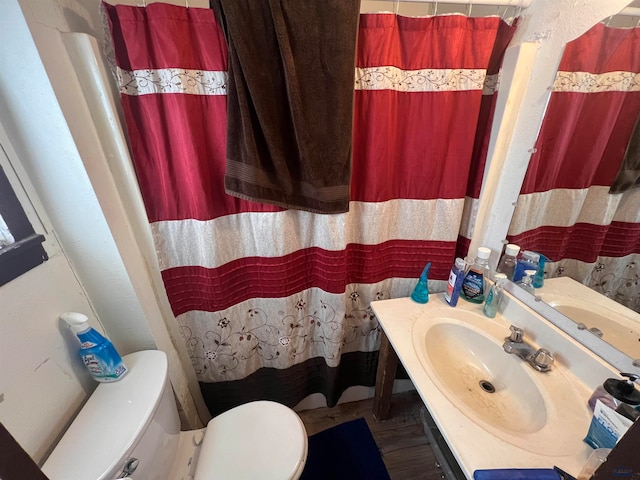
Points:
[(290, 100), (629, 174)]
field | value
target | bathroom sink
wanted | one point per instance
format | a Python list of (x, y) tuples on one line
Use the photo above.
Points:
[(492, 408), (464, 358), (483, 379)]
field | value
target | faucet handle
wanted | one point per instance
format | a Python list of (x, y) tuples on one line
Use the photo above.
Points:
[(517, 334), (543, 359)]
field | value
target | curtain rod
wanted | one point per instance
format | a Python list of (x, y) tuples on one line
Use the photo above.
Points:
[(494, 3), (628, 11)]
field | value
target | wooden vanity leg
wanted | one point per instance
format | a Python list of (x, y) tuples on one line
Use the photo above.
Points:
[(387, 366)]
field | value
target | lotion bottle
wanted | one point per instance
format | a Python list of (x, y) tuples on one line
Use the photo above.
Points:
[(97, 352)]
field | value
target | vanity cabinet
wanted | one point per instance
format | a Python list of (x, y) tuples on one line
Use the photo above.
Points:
[(487, 408)]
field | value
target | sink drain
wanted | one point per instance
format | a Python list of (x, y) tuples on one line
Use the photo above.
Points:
[(487, 386)]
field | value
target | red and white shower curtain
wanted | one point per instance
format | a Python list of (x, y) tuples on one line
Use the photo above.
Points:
[(565, 210), (274, 303)]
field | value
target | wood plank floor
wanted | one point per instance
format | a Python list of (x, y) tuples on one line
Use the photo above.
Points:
[(403, 445)]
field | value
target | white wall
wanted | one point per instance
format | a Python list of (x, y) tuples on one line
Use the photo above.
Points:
[(42, 380), (41, 386), (67, 35), (39, 133), (42, 383)]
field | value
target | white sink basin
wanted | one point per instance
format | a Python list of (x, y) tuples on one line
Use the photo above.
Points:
[(481, 377), (461, 351)]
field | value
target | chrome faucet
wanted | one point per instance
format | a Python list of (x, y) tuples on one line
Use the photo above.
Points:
[(540, 359)]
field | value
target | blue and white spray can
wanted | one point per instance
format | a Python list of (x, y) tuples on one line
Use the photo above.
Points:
[(97, 352)]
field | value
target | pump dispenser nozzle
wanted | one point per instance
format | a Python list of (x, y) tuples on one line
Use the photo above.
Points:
[(624, 390), (420, 294)]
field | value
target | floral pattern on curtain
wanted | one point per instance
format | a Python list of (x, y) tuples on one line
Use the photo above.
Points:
[(565, 210), (275, 303)]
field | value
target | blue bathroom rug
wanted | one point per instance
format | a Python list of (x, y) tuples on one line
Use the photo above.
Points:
[(344, 452)]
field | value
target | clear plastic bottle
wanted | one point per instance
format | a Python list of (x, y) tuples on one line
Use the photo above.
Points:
[(454, 286), (474, 283), (507, 264), (492, 303), (526, 282)]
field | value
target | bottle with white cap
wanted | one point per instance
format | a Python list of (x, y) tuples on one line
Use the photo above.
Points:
[(526, 282), (97, 352), (507, 264)]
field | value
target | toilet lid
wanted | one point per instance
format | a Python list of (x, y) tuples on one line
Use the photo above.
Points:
[(264, 440)]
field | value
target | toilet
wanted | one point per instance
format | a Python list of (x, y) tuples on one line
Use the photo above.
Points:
[(131, 429)]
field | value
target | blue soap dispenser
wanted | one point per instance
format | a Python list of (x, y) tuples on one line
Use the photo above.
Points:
[(420, 294), (97, 352)]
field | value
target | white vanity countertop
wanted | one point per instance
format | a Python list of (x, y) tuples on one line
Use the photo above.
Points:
[(474, 446)]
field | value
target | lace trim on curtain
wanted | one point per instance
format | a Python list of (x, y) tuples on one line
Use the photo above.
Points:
[(171, 80), (426, 80), (585, 82), (203, 82)]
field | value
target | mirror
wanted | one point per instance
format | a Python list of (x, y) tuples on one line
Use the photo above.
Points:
[(566, 211)]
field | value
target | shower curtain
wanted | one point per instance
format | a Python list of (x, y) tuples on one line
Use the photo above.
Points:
[(273, 303), (565, 209)]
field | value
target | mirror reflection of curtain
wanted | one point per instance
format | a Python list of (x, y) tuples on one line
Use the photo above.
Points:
[(565, 210), (274, 303)]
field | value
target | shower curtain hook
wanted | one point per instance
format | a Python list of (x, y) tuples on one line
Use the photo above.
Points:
[(469, 8), (396, 6), (608, 21), (435, 10), (186, 4)]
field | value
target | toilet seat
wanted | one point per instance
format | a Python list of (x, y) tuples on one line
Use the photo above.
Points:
[(262, 439)]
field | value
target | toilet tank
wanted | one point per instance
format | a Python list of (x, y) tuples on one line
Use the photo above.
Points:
[(133, 418)]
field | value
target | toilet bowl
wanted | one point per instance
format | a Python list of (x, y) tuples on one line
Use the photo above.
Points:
[(131, 429)]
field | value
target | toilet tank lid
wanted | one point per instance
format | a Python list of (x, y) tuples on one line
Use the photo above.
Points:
[(111, 422)]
